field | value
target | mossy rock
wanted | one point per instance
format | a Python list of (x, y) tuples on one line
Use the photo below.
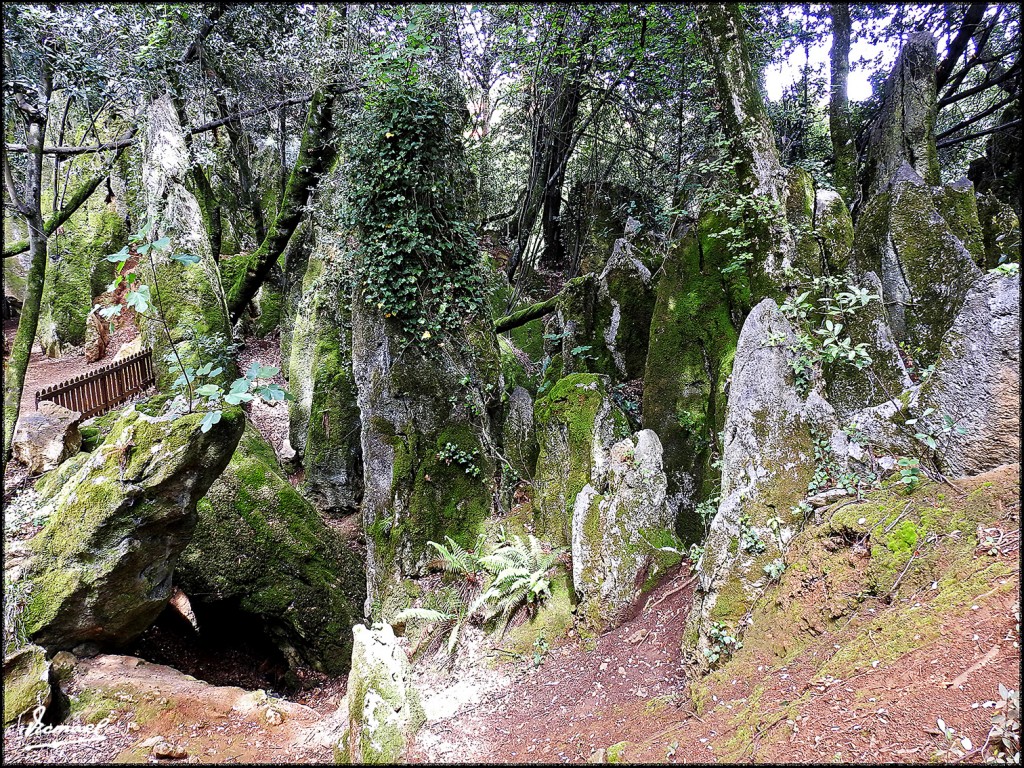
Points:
[(26, 682), (551, 621), (103, 562), (692, 343), (574, 419), (1000, 231), (78, 272), (259, 545)]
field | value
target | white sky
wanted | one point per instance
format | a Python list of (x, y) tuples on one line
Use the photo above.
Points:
[(777, 77)]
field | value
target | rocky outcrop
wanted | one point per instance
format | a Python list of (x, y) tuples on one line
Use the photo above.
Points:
[(97, 336), (976, 383), (381, 709), (26, 682), (904, 130), (324, 422), (577, 423), (519, 433), (102, 565), (617, 531), (427, 437), (46, 437), (925, 268), (771, 436), (260, 547)]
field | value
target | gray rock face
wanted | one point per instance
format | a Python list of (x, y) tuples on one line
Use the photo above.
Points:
[(615, 531), (102, 564), (97, 336), (381, 709), (46, 437), (519, 433), (904, 130), (977, 381), (626, 289), (768, 460), (324, 426), (851, 389), (413, 405), (924, 267)]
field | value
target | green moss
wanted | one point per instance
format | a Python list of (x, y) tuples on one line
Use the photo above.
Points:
[(692, 343), (530, 338), (616, 752), (259, 544), (959, 207), (552, 621)]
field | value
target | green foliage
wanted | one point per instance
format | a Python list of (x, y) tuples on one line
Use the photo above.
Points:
[(520, 580), (749, 540), (721, 644), (910, 472), (1007, 270), (465, 459), (417, 253)]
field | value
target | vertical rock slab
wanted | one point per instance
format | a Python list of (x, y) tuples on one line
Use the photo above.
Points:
[(976, 382), (768, 460), (577, 423), (381, 710), (626, 289), (190, 298), (324, 423), (904, 130), (26, 682), (616, 530), (102, 565)]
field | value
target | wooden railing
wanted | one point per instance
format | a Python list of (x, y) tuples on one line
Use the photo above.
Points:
[(100, 390)]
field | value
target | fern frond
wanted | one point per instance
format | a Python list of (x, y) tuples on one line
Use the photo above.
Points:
[(422, 614)]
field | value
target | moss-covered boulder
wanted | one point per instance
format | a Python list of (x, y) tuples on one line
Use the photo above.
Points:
[(974, 392), (772, 435), (957, 203), (833, 229), (189, 298), (519, 433), (324, 423), (381, 710), (619, 522), (692, 341), (102, 565), (78, 272), (925, 268), (577, 422), (26, 682), (262, 549)]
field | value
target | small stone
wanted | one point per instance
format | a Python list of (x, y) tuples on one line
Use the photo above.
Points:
[(165, 750), (604, 665), (273, 716), (622, 670)]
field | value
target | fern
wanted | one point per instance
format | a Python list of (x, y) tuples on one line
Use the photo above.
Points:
[(520, 580)]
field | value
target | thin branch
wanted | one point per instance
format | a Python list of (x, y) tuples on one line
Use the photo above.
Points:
[(971, 20), (984, 85), (977, 134), (972, 120)]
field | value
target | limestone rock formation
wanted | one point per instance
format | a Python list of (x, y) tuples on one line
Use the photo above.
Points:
[(577, 423), (427, 437), (976, 383), (102, 564), (46, 437), (519, 433), (260, 546), (324, 425), (381, 707), (97, 336), (626, 288), (904, 130), (26, 682), (769, 457), (190, 298), (617, 530), (925, 268)]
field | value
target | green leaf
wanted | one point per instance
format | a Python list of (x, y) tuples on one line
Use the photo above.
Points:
[(209, 390), (163, 243), (187, 259), (139, 299), (209, 419), (121, 255), (239, 385), (237, 397)]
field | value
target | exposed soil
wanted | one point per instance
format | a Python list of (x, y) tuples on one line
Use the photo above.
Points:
[(270, 419)]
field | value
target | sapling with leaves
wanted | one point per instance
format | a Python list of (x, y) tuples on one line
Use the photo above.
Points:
[(140, 298)]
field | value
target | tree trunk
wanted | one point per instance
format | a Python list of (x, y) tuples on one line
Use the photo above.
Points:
[(316, 154), (14, 375), (843, 145)]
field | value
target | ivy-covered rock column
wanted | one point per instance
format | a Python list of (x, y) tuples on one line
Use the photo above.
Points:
[(424, 354)]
